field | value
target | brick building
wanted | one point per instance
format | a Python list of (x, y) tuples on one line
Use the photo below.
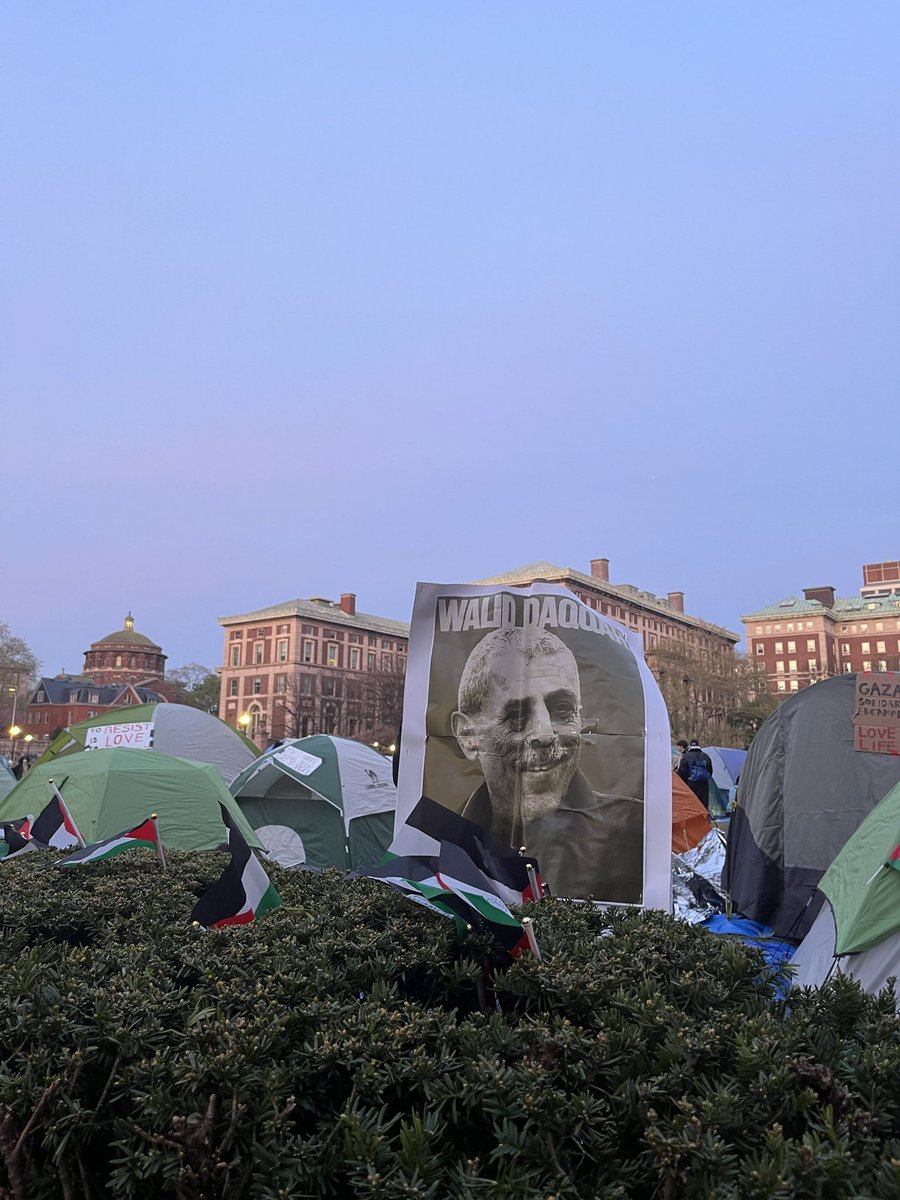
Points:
[(122, 669), (313, 666), (656, 619), (800, 640)]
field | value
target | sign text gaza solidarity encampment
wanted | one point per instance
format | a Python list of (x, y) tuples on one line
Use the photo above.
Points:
[(498, 611), (876, 715)]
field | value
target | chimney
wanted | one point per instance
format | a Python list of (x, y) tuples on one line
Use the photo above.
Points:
[(824, 595), (676, 601), (600, 569), (348, 603)]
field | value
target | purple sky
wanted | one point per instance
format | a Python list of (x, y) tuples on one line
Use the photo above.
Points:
[(303, 298)]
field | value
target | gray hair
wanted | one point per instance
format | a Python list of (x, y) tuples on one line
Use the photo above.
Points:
[(476, 676)]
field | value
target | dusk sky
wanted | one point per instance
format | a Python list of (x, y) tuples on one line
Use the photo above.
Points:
[(309, 298)]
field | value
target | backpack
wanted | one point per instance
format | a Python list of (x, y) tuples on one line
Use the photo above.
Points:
[(697, 769)]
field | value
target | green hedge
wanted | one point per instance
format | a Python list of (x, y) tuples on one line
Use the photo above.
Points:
[(338, 1048)]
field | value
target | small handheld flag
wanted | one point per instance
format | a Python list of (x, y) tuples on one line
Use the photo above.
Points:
[(143, 836), (244, 891), (54, 825)]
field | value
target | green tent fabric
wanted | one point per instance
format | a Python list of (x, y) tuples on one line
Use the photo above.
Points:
[(320, 801), (109, 791), (175, 729), (864, 891)]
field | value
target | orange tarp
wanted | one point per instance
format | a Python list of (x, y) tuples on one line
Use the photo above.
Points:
[(690, 820)]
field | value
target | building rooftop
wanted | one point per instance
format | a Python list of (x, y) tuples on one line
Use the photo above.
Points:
[(624, 591), (126, 636), (843, 607), (320, 609)]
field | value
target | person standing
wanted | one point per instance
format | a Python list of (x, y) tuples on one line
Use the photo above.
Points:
[(695, 768)]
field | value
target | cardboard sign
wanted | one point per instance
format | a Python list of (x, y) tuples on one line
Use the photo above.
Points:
[(876, 713), (137, 735)]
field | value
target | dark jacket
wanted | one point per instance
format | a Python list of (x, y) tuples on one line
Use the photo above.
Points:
[(591, 846)]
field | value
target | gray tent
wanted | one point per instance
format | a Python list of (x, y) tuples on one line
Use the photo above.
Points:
[(804, 790)]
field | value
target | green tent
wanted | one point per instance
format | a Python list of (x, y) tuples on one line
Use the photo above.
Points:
[(175, 729), (321, 801), (109, 791), (864, 891)]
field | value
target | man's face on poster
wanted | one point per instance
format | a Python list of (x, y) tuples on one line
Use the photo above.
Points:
[(526, 730)]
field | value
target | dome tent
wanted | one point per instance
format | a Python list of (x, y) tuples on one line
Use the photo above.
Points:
[(109, 791), (857, 931), (321, 801), (804, 790), (175, 729)]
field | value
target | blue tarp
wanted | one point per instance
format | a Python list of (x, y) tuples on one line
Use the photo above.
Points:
[(775, 951)]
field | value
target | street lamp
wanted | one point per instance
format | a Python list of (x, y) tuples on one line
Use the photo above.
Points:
[(14, 732), (244, 722)]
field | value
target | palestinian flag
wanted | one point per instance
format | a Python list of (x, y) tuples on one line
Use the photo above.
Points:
[(54, 827), (141, 837), (454, 885), (458, 874), (244, 891), (507, 870), (893, 859), (17, 843)]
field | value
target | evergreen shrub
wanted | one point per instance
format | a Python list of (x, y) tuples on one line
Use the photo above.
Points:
[(346, 1046)]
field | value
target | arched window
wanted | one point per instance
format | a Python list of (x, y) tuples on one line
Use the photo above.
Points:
[(118, 660)]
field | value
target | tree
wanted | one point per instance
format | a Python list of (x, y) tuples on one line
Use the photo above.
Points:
[(382, 705), (195, 685), (720, 699), (18, 670)]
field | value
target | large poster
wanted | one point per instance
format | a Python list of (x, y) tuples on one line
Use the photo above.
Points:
[(535, 716)]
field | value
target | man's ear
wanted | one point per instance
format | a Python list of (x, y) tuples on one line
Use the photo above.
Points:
[(464, 733)]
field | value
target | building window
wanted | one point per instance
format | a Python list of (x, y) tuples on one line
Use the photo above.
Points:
[(235, 656), (813, 664), (307, 685), (864, 647), (760, 648), (810, 644), (880, 647), (236, 634), (779, 667), (882, 664), (283, 629), (332, 659), (792, 665), (258, 650), (309, 629), (329, 720), (309, 652), (782, 686), (845, 647), (371, 661), (792, 647), (304, 727), (867, 664), (387, 662), (795, 686), (327, 686), (118, 660), (354, 659), (847, 668), (257, 685), (779, 647), (281, 683), (232, 687), (282, 650)]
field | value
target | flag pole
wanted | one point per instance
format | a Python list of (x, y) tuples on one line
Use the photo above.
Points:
[(159, 845), (65, 811), (532, 940), (533, 880)]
